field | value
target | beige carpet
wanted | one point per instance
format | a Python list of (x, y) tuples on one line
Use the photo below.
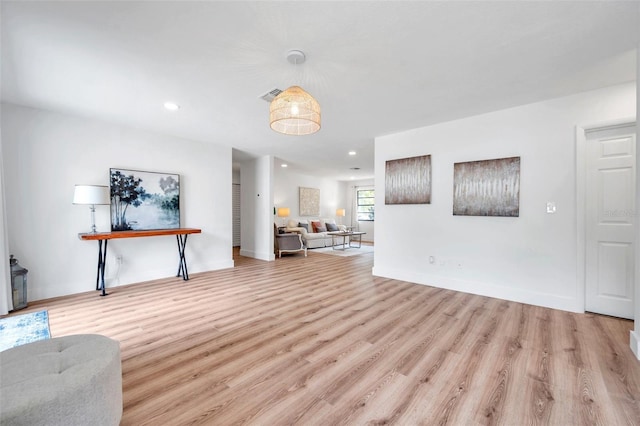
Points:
[(348, 252)]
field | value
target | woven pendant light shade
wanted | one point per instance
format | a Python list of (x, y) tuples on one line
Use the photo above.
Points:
[(294, 112)]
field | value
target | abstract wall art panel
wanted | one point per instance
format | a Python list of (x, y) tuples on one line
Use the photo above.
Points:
[(408, 181), (487, 188), (144, 200), (309, 201)]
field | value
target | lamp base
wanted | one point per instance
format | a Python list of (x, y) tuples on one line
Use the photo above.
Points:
[(92, 207)]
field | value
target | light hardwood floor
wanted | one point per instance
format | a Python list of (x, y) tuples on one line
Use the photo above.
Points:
[(318, 340)]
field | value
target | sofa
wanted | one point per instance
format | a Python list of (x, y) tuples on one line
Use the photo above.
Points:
[(314, 231)]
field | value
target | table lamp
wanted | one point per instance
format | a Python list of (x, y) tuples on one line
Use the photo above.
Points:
[(91, 195), (340, 213), (283, 212)]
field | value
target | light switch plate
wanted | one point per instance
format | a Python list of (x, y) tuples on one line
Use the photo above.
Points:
[(551, 207)]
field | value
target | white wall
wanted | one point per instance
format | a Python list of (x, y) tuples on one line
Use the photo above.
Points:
[(256, 211), (45, 154), (333, 195), (531, 258), (6, 295), (634, 340), (286, 193)]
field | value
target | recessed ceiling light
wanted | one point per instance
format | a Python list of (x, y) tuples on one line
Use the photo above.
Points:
[(352, 177), (284, 165), (352, 153), (171, 106)]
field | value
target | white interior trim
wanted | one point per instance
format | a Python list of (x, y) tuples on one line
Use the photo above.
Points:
[(634, 342), (581, 211), (477, 287), (6, 298)]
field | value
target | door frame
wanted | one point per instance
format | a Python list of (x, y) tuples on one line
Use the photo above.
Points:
[(581, 209)]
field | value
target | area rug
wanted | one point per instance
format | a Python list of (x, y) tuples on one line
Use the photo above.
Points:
[(20, 329), (344, 253)]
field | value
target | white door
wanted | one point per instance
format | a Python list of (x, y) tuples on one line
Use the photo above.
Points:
[(610, 220)]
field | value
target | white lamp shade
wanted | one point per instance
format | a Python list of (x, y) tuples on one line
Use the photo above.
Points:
[(91, 194), (340, 212), (283, 212)]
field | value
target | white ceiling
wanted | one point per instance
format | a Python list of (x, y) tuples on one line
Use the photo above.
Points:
[(375, 67)]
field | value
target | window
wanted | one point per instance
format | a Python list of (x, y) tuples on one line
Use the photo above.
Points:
[(366, 204)]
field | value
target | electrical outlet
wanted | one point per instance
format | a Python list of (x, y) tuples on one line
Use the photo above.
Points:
[(119, 260)]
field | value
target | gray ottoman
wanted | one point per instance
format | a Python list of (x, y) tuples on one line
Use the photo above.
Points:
[(71, 380)]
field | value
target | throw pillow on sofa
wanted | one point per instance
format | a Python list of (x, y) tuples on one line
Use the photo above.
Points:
[(304, 225), (321, 229), (315, 225), (331, 227)]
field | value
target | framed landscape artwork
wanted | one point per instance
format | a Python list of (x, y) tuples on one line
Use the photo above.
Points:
[(309, 201), (144, 200), (408, 181), (487, 188)]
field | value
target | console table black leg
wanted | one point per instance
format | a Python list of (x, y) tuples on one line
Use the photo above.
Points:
[(99, 264), (182, 268), (102, 259)]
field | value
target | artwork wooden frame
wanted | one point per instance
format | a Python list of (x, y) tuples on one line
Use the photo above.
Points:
[(309, 201), (144, 200), (408, 180), (487, 188)]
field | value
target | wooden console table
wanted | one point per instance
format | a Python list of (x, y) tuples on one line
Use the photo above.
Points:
[(180, 233)]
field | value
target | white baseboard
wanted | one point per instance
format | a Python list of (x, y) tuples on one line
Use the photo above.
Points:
[(211, 266), (126, 276), (258, 255), (483, 289), (137, 275), (634, 342)]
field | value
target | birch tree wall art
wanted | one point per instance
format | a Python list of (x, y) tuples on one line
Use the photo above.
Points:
[(144, 200), (408, 181), (487, 188)]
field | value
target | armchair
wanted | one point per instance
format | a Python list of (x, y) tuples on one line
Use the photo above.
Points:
[(288, 243)]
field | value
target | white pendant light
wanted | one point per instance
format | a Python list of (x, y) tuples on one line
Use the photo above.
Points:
[(294, 111)]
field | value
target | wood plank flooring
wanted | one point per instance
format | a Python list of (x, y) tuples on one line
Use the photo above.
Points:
[(319, 341)]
